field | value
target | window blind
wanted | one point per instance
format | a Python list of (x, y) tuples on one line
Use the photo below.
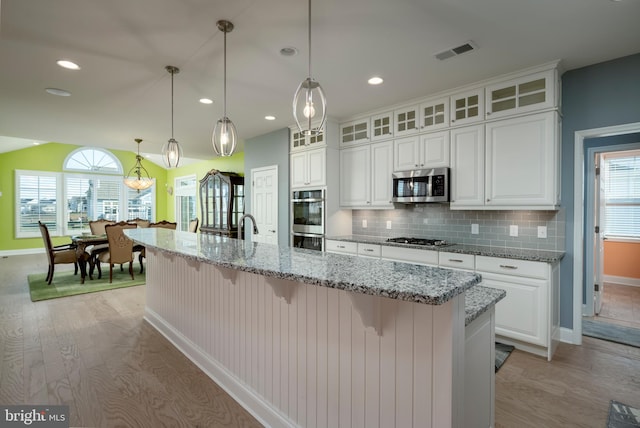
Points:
[(622, 195)]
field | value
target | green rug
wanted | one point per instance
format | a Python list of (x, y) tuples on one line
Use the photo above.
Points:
[(65, 283)]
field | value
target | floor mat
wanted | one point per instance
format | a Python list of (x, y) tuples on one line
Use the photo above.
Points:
[(502, 352), (622, 416)]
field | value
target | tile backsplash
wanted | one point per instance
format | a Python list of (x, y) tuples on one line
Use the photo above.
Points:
[(438, 221)]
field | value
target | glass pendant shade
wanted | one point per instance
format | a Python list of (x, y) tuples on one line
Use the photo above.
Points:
[(225, 137), (135, 179), (310, 107), (171, 153)]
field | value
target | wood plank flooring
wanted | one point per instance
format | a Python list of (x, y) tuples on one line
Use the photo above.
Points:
[(96, 354), (620, 305)]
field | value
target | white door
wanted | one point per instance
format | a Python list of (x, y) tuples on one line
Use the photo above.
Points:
[(264, 203), (598, 241)]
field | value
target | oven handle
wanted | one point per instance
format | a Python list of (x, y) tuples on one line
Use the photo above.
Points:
[(309, 235), (308, 200)]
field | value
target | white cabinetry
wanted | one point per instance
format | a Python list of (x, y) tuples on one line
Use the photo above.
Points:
[(456, 260), (434, 114), (299, 141), (354, 132), (365, 176), (421, 151), (406, 121), (410, 255), (479, 371), (382, 126), (308, 168), (341, 247), (467, 166), (529, 315), (521, 95), (467, 107)]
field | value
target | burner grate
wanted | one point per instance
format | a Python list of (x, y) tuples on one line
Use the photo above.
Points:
[(419, 241)]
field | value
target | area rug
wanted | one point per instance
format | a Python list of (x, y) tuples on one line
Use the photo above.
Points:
[(611, 332), (502, 352), (622, 416), (65, 283)]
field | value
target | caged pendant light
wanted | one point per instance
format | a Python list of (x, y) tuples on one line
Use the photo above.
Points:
[(134, 178), (171, 151), (224, 137), (309, 102)]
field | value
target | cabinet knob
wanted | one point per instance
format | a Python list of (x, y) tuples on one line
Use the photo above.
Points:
[(368, 202), (488, 200), (272, 231), (488, 113), (453, 120)]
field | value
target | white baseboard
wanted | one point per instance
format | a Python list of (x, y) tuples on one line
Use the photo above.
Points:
[(567, 336), (7, 253), (262, 410), (633, 282)]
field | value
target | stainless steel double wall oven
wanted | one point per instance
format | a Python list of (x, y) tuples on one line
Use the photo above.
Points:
[(308, 219)]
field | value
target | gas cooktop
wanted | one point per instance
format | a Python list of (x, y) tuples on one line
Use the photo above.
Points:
[(420, 241)]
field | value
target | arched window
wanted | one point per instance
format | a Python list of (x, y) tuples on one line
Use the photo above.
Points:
[(92, 159)]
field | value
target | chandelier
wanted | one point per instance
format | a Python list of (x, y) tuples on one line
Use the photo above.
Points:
[(171, 151), (134, 178), (224, 137), (309, 102)]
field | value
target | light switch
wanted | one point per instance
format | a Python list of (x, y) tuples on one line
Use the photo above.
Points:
[(364, 223), (513, 230), (542, 231), (475, 229)]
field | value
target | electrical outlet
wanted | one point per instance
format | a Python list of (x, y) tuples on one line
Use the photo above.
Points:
[(513, 230), (475, 229), (388, 224), (364, 223), (542, 231), (425, 221)]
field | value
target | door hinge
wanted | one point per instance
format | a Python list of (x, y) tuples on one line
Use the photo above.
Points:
[(597, 170), (597, 229), (596, 287)]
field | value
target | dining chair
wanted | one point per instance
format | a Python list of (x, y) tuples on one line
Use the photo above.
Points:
[(193, 225), (120, 248), (57, 255), (97, 226), (142, 223), (162, 224)]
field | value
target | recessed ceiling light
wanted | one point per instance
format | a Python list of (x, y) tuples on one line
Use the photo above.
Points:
[(58, 92), (68, 64), (375, 80), (288, 51), (270, 117), (35, 143), (206, 101)]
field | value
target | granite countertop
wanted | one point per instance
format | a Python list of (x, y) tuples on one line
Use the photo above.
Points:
[(545, 256), (396, 280), (478, 299)]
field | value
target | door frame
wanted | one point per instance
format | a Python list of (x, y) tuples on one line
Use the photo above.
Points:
[(578, 210), (252, 174)]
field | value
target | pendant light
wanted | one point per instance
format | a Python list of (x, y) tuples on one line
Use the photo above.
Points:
[(224, 137), (309, 102), (134, 179), (171, 151)]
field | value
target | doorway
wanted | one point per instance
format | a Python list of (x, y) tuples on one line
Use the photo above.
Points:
[(612, 244)]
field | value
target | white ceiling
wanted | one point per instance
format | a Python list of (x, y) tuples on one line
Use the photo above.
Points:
[(122, 91)]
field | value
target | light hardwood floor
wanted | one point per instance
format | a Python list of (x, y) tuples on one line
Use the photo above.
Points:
[(620, 305), (96, 354)]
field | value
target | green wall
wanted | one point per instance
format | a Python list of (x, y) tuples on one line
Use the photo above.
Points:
[(51, 156)]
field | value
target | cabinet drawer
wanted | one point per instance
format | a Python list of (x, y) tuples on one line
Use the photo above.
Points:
[(369, 250), (512, 267), (341, 247), (456, 260), (410, 255)]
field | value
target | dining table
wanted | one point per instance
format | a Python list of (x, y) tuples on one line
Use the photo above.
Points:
[(82, 242)]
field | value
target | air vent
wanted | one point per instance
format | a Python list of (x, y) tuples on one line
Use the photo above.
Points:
[(458, 50)]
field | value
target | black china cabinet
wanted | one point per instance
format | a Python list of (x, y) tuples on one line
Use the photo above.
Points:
[(221, 202)]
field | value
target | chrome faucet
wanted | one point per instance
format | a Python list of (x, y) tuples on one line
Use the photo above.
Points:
[(241, 222)]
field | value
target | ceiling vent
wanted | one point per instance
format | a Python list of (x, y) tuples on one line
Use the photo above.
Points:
[(458, 50)]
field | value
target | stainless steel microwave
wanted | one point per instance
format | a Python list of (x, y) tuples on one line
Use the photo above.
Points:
[(422, 185)]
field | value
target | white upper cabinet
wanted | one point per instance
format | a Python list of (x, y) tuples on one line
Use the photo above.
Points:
[(467, 107), (407, 121), (308, 168), (521, 95), (421, 151), (467, 167), (434, 115), (300, 141), (382, 126), (365, 176), (355, 132)]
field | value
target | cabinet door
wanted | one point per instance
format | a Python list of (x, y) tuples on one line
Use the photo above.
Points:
[(526, 94), (355, 175), (523, 313), (467, 107), (520, 160), (316, 165), (467, 166), (299, 173), (406, 121), (298, 140), (354, 132), (434, 115), (382, 126), (406, 154), (435, 149), (381, 170)]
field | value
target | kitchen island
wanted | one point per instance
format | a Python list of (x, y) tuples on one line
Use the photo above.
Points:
[(302, 338)]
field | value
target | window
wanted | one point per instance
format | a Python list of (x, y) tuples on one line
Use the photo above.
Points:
[(185, 194), (91, 188), (622, 194)]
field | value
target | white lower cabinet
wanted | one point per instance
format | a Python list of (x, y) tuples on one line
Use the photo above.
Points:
[(410, 255), (340, 247), (528, 317), (479, 372)]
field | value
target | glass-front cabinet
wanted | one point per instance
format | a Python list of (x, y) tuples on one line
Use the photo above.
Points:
[(221, 202)]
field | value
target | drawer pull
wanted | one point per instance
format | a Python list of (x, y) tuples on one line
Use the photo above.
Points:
[(508, 267), (340, 246), (369, 250), (455, 260)]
